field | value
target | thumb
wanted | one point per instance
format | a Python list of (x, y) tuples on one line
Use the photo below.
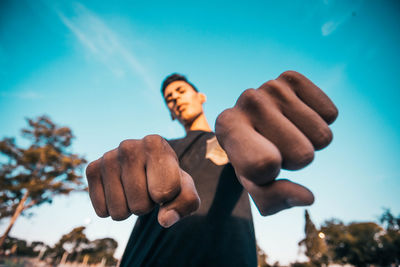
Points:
[(278, 195), (184, 204)]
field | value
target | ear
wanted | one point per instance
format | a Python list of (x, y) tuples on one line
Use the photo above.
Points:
[(203, 98)]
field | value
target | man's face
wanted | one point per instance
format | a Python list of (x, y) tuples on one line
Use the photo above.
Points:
[(184, 103)]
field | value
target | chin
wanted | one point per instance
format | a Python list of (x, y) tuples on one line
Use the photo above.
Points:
[(187, 118)]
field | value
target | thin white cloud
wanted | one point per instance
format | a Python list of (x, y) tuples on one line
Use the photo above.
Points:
[(330, 26), (103, 43), (340, 12), (78, 33), (30, 95)]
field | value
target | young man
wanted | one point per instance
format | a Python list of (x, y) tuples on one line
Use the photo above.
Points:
[(278, 125)]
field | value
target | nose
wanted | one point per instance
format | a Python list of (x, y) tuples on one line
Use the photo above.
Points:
[(175, 97)]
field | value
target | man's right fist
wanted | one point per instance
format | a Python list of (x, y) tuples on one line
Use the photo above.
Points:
[(138, 175), (279, 125)]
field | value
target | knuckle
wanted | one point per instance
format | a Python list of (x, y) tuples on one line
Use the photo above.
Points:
[(127, 150), (153, 142), (90, 170), (224, 120), (274, 84), (290, 75), (107, 156), (125, 147), (277, 91), (248, 98), (224, 116)]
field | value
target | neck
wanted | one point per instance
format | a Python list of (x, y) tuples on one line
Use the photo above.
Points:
[(199, 124)]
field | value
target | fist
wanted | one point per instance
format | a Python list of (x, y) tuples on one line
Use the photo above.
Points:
[(138, 175), (279, 125)]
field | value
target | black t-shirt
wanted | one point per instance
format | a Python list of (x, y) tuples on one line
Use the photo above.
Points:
[(220, 233)]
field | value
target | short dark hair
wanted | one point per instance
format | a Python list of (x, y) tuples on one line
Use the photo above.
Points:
[(173, 78)]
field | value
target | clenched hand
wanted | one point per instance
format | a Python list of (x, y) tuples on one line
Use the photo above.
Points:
[(278, 125), (138, 175)]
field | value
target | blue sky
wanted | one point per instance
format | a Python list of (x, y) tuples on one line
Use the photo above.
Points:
[(97, 66)]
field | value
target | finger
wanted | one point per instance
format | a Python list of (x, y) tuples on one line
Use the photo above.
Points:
[(162, 169), (114, 193), (265, 116), (278, 195), (301, 115), (96, 190), (313, 96), (310, 124), (133, 177), (187, 202), (252, 154)]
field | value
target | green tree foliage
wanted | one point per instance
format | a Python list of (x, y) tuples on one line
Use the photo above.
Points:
[(261, 258), (34, 175), (20, 247), (73, 243), (101, 249), (358, 244), (314, 243), (77, 246), (390, 241), (355, 243)]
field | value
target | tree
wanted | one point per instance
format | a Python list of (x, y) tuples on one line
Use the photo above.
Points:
[(74, 246), (389, 249), (73, 243), (100, 249), (77, 245), (22, 247), (261, 258), (18, 247), (335, 237), (316, 249), (35, 175), (355, 243)]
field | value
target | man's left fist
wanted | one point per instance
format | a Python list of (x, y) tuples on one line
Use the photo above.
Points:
[(278, 125)]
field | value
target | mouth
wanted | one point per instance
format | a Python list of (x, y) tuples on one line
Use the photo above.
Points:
[(181, 107)]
